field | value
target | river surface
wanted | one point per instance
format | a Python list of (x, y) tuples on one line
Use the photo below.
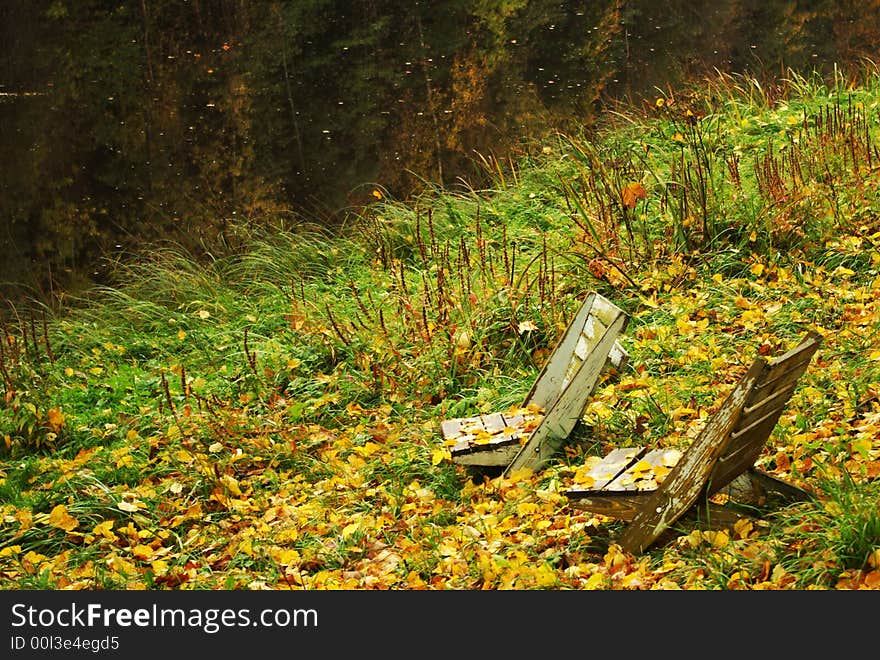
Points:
[(128, 122)]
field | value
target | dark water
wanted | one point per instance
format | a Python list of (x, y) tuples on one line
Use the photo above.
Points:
[(126, 122)]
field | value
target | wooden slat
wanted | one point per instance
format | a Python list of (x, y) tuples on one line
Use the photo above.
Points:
[(453, 428), (754, 425), (618, 357), (450, 428), (493, 423), (763, 407), (487, 455), (621, 505), (608, 468), (548, 385), (560, 419), (797, 357), (513, 421), (641, 475), (782, 379), (604, 310)]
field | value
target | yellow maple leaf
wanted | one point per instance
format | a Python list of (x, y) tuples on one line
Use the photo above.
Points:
[(596, 581), (247, 547), (545, 577), (743, 528), (526, 508), (682, 412), (142, 552), (59, 517), (660, 473), (56, 419), (231, 484), (159, 566), (482, 437), (632, 193), (718, 539), (642, 466), (862, 446), (104, 530), (284, 556), (288, 535), (440, 455), (583, 479), (120, 565), (695, 539)]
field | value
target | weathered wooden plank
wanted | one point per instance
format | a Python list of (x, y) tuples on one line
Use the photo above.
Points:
[(548, 385), (493, 423), (622, 505), (454, 428), (608, 468), (764, 407), (560, 419), (753, 426), (604, 310), (495, 455), (798, 357), (585, 344), (618, 357), (450, 428), (646, 473)]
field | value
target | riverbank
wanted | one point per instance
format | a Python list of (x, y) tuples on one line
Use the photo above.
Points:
[(269, 419)]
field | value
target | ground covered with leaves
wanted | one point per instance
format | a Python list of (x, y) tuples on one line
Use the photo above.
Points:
[(268, 418)]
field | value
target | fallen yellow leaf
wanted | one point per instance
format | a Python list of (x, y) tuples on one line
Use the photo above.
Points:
[(142, 552), (440, 455), (59, 517)]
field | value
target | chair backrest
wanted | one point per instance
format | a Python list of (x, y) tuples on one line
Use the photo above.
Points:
[(570, 376), (728, 444), (581, 338)]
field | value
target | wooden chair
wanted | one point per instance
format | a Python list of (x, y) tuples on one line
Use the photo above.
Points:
[(527, 435), (653, 490)]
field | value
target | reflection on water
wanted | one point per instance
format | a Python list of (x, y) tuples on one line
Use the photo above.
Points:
[(125, 122)]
